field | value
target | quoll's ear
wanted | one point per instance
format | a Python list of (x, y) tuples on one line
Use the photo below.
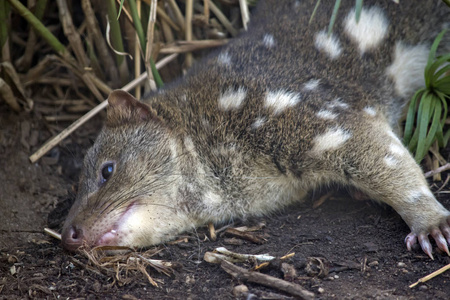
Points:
[(124, 108)]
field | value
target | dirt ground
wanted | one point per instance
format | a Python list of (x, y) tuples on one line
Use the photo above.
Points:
[(360, 242)]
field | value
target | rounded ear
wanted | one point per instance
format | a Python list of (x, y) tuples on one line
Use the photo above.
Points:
[(124, 108)]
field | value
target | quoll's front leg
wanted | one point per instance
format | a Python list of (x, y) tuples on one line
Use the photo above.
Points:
[(373, 159)]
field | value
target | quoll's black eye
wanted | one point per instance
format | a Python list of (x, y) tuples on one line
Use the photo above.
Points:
[(107, 171)]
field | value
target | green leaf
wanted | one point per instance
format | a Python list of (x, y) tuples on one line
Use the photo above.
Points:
[(314, 11), (433, 67), (358, 8), (120, 8), (424, 118), (435, 124), (443, 85), (333, 16), (409, 126)]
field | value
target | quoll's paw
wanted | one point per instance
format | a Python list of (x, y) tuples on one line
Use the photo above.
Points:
[(441, 234)]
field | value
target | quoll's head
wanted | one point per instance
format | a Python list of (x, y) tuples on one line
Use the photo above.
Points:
[(128, 184)]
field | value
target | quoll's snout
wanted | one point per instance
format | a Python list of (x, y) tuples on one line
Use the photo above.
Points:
[(72, 238)]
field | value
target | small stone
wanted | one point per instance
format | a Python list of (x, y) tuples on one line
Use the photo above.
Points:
[(336, 276), (423, 287), (190, 280), (240, 290), (321, 290), (401, 265), (373, 263)]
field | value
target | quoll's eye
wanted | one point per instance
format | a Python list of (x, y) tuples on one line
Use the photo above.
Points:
[(107, 171)]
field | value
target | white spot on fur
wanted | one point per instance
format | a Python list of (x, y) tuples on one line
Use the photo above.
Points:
[(328, 44), (390, 161), (232, 99), (371, 29), (397, 149), (224, 58), (393, 135), (370, 111), (281, 100), (326, 114), (268, 40), (426, 191), (188, 143), (338, 103), (311, 85), (258, 123), (332, 139), (421, 192), (407, 68), (211, 198)]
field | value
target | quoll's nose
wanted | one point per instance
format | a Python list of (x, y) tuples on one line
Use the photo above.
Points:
[(72, 238)]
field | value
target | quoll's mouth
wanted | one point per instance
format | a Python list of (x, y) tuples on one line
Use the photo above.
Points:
[(77, 235), (115, 236)]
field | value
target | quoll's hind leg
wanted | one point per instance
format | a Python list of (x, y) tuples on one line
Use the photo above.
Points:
[(373, 159)]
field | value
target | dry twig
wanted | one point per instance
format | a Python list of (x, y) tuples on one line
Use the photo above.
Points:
[(431, 276), (55, 140), (266, 280), (438, 170)]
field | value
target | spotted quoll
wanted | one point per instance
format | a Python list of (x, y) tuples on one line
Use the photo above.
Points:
[(279, 111)]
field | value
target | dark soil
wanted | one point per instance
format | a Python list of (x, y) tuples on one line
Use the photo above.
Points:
[(360, 242)]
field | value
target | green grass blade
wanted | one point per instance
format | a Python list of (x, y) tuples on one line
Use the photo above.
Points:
[(436, 65), (436, 111), (337, 4), (443, 85), (40, 28), (137, 24), (314, 11), (358, 8), (444, 69), (424, 119), (39, 8), (409, 126), (434, 47), (120, 8)]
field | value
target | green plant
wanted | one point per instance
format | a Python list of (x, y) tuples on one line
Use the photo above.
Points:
[(428, 108)]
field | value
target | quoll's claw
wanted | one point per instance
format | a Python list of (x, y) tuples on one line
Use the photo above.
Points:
[(440, 235), (410, 240), (425, 244), (440, 240), (446, 232)]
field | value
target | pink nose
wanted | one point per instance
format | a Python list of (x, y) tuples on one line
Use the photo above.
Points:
[(72, 238)]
